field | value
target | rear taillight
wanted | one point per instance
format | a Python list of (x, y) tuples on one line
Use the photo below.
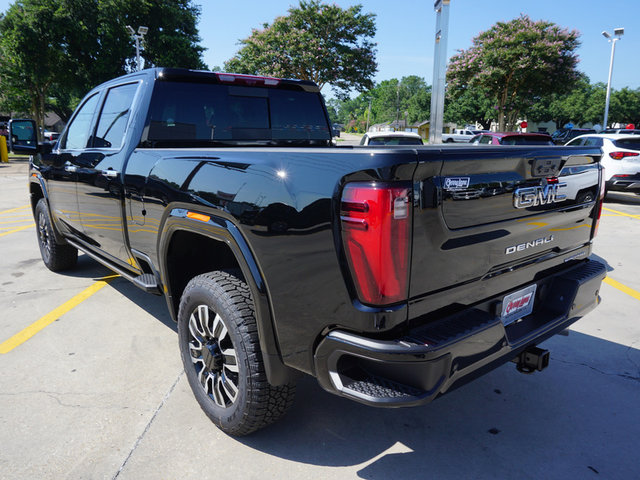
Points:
[(621, 155), (376, 229)]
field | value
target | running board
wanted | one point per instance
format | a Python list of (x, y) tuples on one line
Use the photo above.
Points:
[(146, 281)]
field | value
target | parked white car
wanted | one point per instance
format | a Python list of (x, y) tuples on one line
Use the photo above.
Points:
[(391, 138), (620, 159)]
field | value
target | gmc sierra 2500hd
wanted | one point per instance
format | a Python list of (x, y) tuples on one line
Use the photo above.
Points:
[(392, 275)]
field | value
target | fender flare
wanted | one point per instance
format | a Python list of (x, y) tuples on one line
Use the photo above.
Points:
[(36, 178), (222, 229)]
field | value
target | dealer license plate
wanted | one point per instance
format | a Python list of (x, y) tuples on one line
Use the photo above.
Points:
[(518, 304)]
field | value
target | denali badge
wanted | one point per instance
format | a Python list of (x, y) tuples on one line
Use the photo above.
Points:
[(531, 244), (534, 196)]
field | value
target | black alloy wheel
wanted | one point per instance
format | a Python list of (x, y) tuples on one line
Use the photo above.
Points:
[(220, 350), (214, 358), (56, 256)]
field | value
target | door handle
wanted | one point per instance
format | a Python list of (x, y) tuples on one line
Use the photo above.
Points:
[(110, 173), (70, 168)]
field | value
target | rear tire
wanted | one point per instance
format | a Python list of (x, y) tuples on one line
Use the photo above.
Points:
[(56, 256), (221, 354)]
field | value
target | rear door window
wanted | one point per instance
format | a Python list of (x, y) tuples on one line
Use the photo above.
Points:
[(114, 116), (79, 131)]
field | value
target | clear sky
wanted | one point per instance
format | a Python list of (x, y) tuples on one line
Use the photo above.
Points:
[(406, 29)]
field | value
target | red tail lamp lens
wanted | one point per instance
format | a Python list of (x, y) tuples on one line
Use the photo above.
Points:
[(621, 155), (376, 221)]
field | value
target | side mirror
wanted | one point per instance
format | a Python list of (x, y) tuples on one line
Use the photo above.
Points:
[(23, 136), (336, 132)]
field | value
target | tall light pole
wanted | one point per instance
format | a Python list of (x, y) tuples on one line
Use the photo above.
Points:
[(439, 70), (617, 32), (142, 31)]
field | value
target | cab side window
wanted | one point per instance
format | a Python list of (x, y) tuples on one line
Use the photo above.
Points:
[(114, 116), (78, 131)]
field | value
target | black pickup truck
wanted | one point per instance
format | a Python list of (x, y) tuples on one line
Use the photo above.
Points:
[(391, 274)]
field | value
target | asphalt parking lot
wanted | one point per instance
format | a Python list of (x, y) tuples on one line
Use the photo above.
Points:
[(92, 387)]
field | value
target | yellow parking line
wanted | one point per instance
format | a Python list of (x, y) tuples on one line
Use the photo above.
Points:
[(623, 288), (17, 220), (16, 230), (24, 335), (14, 209), (621, 213)]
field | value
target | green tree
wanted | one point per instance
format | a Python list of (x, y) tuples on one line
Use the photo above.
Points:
[(56, 50), (517, 63), (470, 105), (322, 43), (625, 106), (30, 33), (583, 104), (389, 99)]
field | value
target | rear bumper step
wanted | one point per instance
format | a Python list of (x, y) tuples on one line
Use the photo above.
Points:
[(444, 354)]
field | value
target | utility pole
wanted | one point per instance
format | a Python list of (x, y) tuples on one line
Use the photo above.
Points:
[(142, 31), (439, 70)]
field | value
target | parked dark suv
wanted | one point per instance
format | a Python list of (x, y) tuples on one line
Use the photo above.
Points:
[(563, 135)]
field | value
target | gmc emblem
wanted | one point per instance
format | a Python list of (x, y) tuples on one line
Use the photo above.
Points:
[(533, 196)]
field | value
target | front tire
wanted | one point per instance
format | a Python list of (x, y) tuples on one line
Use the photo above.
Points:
[(221, 355), (56, 256)]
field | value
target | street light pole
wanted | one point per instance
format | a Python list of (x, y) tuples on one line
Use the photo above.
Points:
[(439, 70), (618, 32), (142, 31)]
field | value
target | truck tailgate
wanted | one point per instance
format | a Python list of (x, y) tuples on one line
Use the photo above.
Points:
[(491, 219)]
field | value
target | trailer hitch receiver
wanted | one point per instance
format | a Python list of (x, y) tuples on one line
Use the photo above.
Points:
[(532, 359)]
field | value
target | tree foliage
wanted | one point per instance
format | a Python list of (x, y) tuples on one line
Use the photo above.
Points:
[(470, 106), (315, 41), (516, 63), (625, 106), (54, 51), (408, 98), (583, 104), (29, 63)]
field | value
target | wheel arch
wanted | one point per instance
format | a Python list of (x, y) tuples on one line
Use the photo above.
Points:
[(189, 247), (38, 191)]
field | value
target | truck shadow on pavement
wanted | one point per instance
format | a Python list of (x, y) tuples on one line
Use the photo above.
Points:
[(575, 418), (152, 304)]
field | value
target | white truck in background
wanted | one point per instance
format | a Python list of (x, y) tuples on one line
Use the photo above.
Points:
[(459, 135)]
